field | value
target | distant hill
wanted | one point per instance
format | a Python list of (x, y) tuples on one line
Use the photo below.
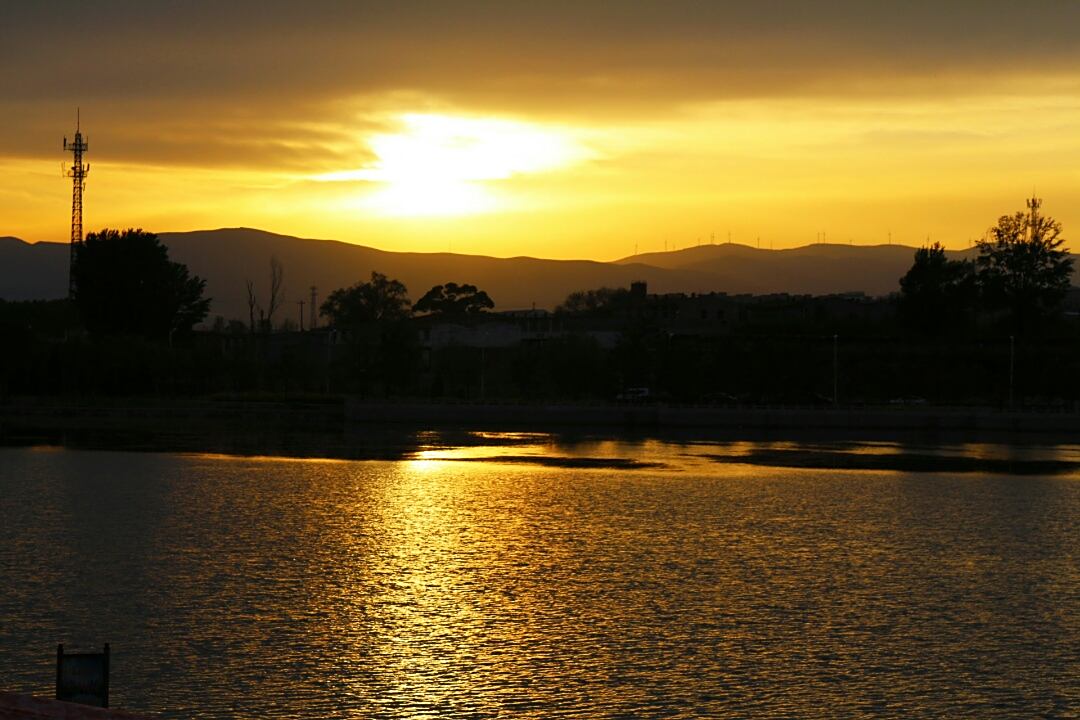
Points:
[(813, 269), (33, 272), (227, 258)]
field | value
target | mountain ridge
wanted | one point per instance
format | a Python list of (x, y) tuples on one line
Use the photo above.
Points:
[(227, 257)]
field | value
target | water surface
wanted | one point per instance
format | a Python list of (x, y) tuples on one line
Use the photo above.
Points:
[(486, 579)]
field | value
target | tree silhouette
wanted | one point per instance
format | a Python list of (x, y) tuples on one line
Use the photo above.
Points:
[(277, 292), (253, 305), (379, 299), (454, 299), (937, 294), (591, 301), (1022, 268), (125, 284)]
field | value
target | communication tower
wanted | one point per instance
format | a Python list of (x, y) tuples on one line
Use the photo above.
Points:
[(77, 173), (314, 312), (1033, 217)]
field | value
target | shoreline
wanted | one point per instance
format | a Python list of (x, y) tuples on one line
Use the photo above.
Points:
[(334, 412), (349, 429), (713, 417), (891, 439)]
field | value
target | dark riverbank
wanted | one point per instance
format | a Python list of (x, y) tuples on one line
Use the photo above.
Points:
[(20, 417), (921, 439), (709, 417)]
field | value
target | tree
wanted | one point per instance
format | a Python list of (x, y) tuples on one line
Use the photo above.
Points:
[(590, 301), (379, 299), (1022, 268), (277, 289), (382, 349), (277, 293), (125, 284), (253, 305), (937, 294), (454, 299)]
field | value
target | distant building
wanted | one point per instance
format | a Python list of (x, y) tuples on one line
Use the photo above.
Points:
[(705, 314), (508, 328)]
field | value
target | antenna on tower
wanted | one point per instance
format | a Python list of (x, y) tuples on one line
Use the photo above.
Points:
[(77, 173), (1033, 217)]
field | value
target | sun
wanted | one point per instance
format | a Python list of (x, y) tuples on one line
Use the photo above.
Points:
[(444, 165)]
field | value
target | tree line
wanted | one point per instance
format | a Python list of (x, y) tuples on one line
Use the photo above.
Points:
[(943, 338), (1020, 276), (126, 285), (382, 299)]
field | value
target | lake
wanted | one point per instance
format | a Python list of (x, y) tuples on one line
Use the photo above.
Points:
[(523, 576)]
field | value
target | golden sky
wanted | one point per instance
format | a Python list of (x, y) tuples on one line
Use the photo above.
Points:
[(553, 129)]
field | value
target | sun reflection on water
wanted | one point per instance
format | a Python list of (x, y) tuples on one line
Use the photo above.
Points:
[(441, 585)]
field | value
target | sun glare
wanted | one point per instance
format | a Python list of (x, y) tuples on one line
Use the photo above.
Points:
[(442, 165)]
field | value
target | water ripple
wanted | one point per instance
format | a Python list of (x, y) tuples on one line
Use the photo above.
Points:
[(429, 588)]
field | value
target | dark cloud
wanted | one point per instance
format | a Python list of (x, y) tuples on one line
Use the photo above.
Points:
[(167, 76)]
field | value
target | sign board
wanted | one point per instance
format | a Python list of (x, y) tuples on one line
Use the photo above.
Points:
[(83, 677)]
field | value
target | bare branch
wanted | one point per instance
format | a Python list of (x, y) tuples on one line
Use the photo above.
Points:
[(277, 288), (253, 305)]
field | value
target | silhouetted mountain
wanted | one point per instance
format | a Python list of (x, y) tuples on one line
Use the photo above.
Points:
[(33, 272), (227, 258), (812, 269)]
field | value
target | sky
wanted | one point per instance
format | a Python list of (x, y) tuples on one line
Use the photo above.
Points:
[(586, 129)]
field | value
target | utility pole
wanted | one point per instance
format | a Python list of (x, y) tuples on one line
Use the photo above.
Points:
[(1012, 368), (77, 173), (301, 304), (835, 373), (314, 308)]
